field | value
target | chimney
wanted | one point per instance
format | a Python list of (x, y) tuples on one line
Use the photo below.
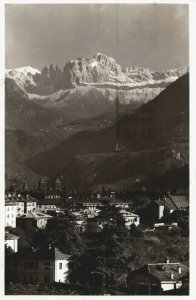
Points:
[(179, 270), (167, 260), (172, 275)]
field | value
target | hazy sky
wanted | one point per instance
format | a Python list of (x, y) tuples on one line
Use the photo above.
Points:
[(150, 35)]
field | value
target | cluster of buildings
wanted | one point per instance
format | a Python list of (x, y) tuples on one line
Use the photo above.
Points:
[(88, 212), (20, 211), (44, 266)]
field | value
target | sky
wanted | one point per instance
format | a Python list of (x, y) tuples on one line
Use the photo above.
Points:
[(148, 35)]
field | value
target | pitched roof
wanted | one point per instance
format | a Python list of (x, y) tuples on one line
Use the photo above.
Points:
[(170, 204), (180, 201), (10, 236), (43, 180), (166, 202), (44, 254), (35, 215), (60, 255), (9, 202), (57, 180), (162, 271)]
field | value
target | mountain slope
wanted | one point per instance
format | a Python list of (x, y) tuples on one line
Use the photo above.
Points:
[(151, 132)]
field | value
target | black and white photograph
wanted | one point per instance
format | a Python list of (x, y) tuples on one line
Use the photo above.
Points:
[(96, 195)]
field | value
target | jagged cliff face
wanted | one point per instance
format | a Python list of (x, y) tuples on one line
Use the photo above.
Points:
[(103, 69), (85, 88), (99, 71)]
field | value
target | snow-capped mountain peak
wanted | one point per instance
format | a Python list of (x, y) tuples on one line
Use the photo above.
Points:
[(23, 76)]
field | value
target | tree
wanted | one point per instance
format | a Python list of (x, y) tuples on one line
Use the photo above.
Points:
[(102, 264), (135, 231), (111, 218), (61, 233)]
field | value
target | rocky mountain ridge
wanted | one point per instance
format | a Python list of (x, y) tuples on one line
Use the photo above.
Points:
[(100, 71), (85, 88)]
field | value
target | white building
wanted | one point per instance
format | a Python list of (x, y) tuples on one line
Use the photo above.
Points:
[(40, 266), (156, 278), (30, 206), (37, 219), (20, 208), (130, 218), (11, 240), (10, 214), (46, 207)]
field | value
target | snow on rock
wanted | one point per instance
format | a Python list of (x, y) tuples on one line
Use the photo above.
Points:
[(23, 76)]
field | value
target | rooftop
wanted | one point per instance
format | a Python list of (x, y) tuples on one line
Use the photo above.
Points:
[(57, 180), (35, 215), (10, 236), (174, 202), (44, 254), (163, 271), (180, 201)]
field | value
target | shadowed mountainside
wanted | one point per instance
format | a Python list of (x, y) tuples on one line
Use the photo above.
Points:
[(153, 131)]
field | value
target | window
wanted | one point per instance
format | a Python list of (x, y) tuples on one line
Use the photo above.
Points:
[(47, 265), (60, 266)]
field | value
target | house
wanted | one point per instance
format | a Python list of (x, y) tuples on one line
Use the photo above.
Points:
[(130, 218), (11, 240), (119, 203), (165, 206), (92, 204), (39, 266), (45, 207), (10, 213), (36, 219), (24, 205), (20, 208), (156, 278)]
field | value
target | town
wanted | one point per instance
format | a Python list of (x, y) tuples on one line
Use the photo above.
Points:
[(104, 242)]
